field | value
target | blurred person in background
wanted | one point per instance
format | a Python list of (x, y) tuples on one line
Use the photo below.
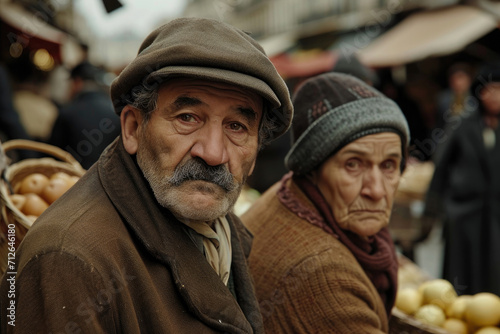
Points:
[(87, 124), (31, 97), (322, 259), (10, 125), (146, 241), (453, 100), (465, 191), (413, 114)]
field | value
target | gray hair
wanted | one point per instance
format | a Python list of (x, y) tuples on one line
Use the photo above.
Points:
[(145, 98)]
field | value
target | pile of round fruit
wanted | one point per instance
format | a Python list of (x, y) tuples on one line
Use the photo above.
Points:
[(435, 302), (36, 192)]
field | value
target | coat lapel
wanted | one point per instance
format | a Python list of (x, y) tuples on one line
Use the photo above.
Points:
[(164, 238), (482, 154)]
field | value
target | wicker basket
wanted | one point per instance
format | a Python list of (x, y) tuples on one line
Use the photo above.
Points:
[(410, 275), (401, 323), (15, 173)]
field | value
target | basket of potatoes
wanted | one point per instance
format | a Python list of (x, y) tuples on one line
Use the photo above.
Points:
[(30, 186), (433, 306)]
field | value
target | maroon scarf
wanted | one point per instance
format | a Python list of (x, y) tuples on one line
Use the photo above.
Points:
[(377, 256)]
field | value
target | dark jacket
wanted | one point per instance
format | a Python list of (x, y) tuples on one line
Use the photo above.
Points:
[(10, 123), (465, 190), (85, 126), (106, 258)]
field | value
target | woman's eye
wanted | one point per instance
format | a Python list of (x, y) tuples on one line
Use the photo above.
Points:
[(352, 164), (389, 165)]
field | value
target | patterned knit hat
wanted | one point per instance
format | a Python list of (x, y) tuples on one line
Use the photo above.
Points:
[(334, 109)]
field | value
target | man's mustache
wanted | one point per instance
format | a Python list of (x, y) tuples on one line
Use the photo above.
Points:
[(196, 169)]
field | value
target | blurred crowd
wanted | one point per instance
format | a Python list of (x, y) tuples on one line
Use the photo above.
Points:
[(66, 107)]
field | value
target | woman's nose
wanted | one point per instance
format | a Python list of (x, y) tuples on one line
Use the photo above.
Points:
[(373, 184)]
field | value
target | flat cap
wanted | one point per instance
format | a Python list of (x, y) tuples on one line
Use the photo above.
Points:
[(211, 50)]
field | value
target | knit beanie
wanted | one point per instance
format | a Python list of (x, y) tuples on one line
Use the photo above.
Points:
[(334, 109), (351, 65), (206, 49)]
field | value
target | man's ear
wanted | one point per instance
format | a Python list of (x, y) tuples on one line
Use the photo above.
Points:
[(131, 119), (252, 168)]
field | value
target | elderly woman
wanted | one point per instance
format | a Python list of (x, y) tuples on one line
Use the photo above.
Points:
[(322, 257)]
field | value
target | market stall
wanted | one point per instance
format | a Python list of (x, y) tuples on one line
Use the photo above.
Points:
[(428, 33)]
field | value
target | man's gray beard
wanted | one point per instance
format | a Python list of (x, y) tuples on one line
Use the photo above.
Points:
[(169, 195)]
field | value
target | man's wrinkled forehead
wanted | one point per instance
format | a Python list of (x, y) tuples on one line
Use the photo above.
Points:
[(190, 91)]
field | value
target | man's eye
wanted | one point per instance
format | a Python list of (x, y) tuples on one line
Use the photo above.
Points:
[(186, 117), (236, 127)]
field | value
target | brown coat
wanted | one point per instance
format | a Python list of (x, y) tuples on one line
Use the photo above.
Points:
[(106, 258), (306, 280)]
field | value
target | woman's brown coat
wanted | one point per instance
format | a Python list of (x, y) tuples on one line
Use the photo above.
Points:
[(306, 280)]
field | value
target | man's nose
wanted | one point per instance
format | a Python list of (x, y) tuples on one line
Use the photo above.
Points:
[(373, 184), (210, 145)]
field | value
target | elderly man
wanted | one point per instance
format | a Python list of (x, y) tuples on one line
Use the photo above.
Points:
[(145, 241), (322, 258)]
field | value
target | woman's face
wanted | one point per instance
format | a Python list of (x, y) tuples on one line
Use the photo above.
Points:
[(359, 182)]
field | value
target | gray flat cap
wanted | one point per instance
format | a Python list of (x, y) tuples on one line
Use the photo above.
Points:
[(211, 50)]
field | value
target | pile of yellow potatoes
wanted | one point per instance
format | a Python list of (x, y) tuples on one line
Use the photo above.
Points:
[(435, 302)]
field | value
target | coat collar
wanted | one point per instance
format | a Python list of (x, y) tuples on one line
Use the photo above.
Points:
[(477, 127), (164, 238)]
